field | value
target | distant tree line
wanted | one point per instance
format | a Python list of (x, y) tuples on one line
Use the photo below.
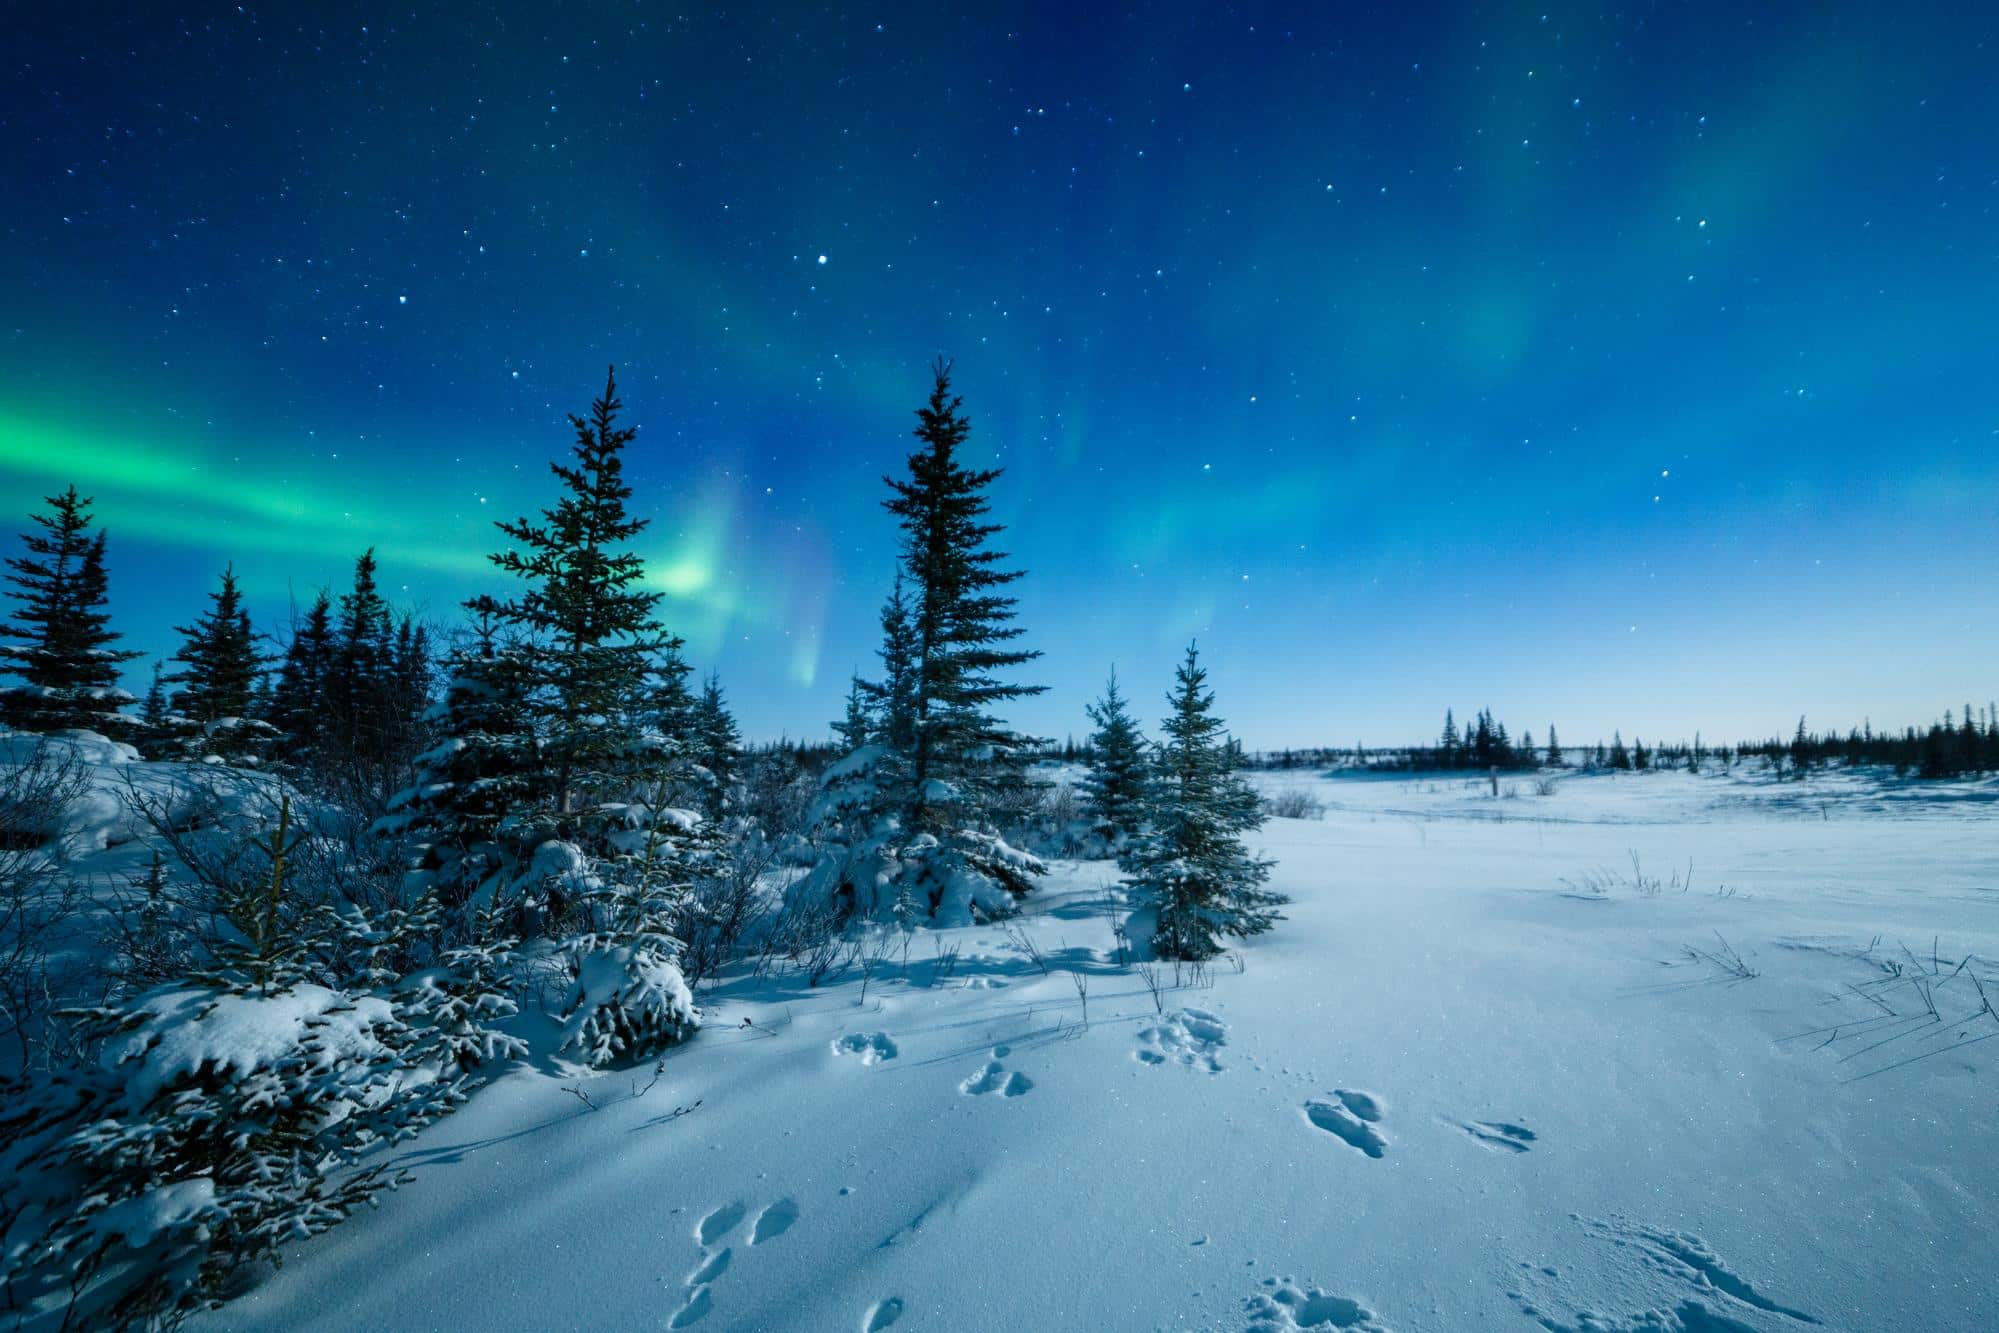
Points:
[(1959, 744)]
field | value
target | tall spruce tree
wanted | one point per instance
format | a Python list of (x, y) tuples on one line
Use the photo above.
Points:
[(1114, 789), (920, 812), (1555, 759), (1189, 865), (599, 640), (961, 620), (1620, 758), (607, 698), (61, 631)]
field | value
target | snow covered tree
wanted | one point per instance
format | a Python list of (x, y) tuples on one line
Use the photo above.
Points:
[(1189, 867), (62, 633), (219, 667), (629, 1000), (469, 816), (670, 707), (717, 743), (918, 811), (960, 619), (1114, 789), (605, 696)]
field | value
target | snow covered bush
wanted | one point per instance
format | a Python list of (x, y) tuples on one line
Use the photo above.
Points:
[(874, 868), (216, 1123), (629, 1000), (236, 1108)]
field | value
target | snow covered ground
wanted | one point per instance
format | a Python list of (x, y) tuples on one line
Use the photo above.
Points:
[(1476, 1080)]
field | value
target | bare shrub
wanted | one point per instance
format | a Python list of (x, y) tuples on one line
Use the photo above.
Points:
[(1017, 936), (39, 903), (1295, 803), (1155, 985)]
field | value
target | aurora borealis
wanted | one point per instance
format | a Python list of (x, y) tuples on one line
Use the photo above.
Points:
[(1617, 369)]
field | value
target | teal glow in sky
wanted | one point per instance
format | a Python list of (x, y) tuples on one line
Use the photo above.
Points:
[(1623, 370)]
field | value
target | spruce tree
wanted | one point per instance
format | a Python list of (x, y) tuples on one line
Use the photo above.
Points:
[(220, 668), (600, 643), (962, 622), (1190, 865), (1114, 788), (893, 697), (361, 676), (469, 816), (1620, 758), (718, 745), (1447, 746), (853, 731), (921, 812), (605, 696), (153, 708), (218, 657), (1641, 758), (1554, 748), (62, 633), (298, 703)]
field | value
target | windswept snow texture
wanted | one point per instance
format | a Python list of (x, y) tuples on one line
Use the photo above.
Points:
[(1580, 1119)]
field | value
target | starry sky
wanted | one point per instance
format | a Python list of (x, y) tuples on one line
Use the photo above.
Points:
[(1616, 367)]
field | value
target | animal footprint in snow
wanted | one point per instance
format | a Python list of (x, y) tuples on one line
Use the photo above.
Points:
[(872, 1047), (711, 1268), (773, 1221), (697, 1308), (1351, 1118), (1285, 1307), (1498, 1135), (718, 1223), (881, 1314), (994, 1077), (1191, 1037)]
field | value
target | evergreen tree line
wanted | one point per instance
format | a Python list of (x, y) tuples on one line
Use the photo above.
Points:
[(1959, 744)]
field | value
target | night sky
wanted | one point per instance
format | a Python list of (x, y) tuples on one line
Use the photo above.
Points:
[(1617, 368)]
